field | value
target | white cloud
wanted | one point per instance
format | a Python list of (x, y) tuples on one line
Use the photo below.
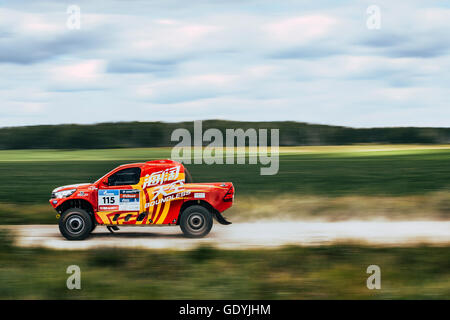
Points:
[(300, 29), (84, 71), (313, 62)]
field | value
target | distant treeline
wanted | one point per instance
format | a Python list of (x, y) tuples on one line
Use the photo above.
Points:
[(157, 134)]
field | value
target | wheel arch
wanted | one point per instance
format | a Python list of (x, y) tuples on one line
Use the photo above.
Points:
[(77, 203), (202, 203)]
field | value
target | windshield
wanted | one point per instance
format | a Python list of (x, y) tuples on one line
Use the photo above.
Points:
[(101, 178)]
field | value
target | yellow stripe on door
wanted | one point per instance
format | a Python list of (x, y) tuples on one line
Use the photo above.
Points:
[(164, 214)]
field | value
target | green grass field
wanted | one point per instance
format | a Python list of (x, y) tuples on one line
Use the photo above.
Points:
[(28, 176), (351, 182)]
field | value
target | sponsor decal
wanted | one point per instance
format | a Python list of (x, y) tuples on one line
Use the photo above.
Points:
[(108, 193), (108, 208), (82, 194), (118, 200), (168, 198), (169, 192), (159, 177), (168, 189), (199, 195)]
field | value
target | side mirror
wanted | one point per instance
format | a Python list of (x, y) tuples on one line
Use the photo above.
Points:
[(105, 182)]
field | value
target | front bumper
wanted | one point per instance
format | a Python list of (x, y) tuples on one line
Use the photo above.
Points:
[(55, 203)]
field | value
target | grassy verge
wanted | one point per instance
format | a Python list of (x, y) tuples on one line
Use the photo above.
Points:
[(332, 272), (432, 206), (11, 213)]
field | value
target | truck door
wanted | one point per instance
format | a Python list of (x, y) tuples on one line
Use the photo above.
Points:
[(118, 201)]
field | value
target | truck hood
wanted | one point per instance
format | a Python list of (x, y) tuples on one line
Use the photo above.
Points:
[(71, 186)]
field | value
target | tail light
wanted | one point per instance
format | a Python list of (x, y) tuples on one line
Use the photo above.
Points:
[(229, 195)]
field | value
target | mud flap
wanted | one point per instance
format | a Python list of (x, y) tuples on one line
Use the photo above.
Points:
[(221, 219)]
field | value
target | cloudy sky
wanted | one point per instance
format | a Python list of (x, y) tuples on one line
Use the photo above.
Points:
[(173, 60)]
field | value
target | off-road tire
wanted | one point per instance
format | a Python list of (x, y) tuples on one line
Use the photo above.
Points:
[(196, 222), (75, 224)]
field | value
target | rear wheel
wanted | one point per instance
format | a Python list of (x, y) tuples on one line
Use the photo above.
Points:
[(75, 224), (196, 222)]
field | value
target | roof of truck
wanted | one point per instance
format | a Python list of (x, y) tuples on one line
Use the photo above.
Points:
[(162, 162)]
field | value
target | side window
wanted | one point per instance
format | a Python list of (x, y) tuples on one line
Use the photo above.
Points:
[(125, 177)]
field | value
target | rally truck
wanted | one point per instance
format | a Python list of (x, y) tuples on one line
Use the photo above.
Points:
[(159, 192)]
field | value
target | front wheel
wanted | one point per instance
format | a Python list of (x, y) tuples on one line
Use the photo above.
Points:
[(196, 222), (75, 224)]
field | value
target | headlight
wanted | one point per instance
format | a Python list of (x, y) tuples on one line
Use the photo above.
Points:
[(64, 194)]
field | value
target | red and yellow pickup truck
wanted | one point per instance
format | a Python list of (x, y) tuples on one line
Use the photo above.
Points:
[(159, 192)]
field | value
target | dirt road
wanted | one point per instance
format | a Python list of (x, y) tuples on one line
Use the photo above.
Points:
[(246, 235)]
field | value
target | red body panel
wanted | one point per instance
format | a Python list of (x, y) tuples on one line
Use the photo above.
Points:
[(156, 199)]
